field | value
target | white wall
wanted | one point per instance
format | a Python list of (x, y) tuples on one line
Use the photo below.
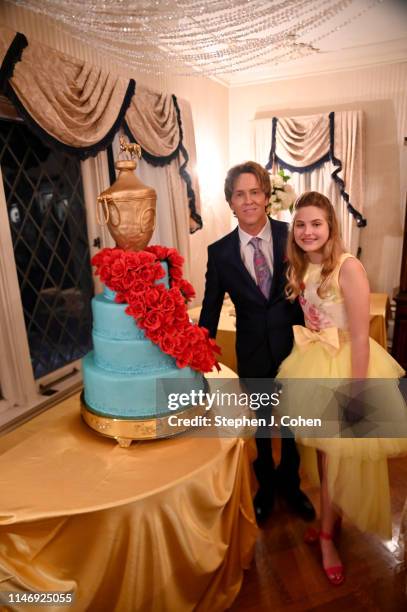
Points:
[(381, 92)]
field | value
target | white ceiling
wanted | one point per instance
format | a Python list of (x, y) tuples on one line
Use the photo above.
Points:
[(236, 42), (378, 36)]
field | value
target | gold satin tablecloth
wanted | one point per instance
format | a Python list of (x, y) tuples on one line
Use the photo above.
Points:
[(226, 336), (160, 526), (379, 315)]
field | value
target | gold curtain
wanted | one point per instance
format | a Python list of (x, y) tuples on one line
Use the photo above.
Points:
[(305, 140), (302, 141), (348, 147), (189, 142), (152, 119), (316, 162), (81, 107), (74, 102)]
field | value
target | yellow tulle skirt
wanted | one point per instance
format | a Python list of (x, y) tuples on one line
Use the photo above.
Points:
[(357, 466)]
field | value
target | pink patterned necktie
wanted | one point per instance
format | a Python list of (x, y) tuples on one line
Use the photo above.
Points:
[(261, 269)]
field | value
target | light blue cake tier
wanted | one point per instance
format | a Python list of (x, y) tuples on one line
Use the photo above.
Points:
[(136, 396), (129, 356), (119, 345), (110, 320), (120, 375)]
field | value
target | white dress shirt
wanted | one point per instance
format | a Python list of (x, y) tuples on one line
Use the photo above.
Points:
[(247, 250)]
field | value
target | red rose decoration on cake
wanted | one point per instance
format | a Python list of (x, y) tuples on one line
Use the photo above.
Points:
[(159, 311), (152, 321)]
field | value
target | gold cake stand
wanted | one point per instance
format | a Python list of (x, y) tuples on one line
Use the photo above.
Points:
[(125, 431)]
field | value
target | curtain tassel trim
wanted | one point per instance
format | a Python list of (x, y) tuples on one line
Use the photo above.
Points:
[(360, 220), (11, 58), (329, 156), (164, 160), (185, 174), (81, 152)]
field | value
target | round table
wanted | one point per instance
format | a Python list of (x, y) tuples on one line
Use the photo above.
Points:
[(163, 525)]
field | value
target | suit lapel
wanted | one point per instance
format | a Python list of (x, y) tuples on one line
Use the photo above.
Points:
[(278, 255)]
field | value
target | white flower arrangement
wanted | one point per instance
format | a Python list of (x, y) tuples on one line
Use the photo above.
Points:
[(282, 195)]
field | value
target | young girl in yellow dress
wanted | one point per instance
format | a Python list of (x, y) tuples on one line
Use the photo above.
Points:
[(333, 290)]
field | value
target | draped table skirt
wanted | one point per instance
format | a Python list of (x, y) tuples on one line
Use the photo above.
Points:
[(165, 525)]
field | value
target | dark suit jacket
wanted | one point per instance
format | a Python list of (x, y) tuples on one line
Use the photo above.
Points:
[(263, 327)]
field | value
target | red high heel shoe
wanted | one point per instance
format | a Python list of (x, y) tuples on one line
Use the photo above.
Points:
[(334, 573)]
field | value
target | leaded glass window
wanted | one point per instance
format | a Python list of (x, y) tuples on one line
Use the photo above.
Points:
[(46, 210)]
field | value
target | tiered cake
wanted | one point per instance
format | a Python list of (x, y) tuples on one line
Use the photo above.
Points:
[(122, 376), (126, 376)]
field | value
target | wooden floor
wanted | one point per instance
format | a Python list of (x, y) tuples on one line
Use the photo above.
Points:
[(286, 575)]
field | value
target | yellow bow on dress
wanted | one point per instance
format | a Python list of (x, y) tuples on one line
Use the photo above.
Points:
[(329, 337)]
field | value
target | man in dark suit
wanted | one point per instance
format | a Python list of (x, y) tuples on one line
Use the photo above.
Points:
[(253, 274)]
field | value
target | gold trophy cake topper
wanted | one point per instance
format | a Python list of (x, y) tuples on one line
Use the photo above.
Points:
[(128, 206)]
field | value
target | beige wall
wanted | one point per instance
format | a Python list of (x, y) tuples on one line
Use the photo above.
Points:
[(209, 103), (381, 92)]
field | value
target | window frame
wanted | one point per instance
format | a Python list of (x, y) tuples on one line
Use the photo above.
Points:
[(23, 396)]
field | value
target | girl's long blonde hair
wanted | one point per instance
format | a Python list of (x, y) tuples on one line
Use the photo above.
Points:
[(332, 250)]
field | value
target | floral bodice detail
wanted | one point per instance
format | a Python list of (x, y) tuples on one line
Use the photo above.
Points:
[(326, 311)]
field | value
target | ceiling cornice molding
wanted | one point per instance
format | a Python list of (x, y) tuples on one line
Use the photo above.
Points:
[(304, 75), (368, 56)]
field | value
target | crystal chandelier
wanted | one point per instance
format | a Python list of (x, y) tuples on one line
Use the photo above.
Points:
[(190, 37)]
